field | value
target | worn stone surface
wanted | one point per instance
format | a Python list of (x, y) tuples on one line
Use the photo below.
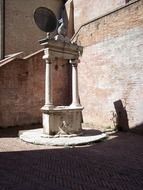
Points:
[(61, 119), (36, 137), (54, 49), (65, 118)]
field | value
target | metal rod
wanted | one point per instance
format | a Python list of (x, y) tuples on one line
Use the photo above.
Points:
[(97, 18)]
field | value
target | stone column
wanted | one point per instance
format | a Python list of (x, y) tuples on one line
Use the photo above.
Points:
[(48, 84), (47, 118), (75, 94), (48, 80)]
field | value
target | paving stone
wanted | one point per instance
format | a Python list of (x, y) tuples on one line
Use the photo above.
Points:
[(114, 164)]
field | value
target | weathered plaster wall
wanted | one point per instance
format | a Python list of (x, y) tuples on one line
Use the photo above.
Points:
[(110, 72), (21, 33), (22, 89)]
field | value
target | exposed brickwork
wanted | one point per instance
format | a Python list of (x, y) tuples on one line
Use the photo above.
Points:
[(110, 74), (112, 25), (62, 82), (111, 68), (83, 12), (22, 89)]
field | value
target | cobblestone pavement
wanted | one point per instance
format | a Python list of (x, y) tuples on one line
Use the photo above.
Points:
[(114, 164)]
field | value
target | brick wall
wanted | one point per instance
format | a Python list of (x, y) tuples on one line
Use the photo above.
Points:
[(110, 72), (22, 89), (87, 10)]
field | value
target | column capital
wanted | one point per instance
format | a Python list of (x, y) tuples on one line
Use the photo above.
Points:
[(74, 62), (48, 61), (46, 54)]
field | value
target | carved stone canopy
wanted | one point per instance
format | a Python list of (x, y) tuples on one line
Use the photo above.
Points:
[(58, 49)]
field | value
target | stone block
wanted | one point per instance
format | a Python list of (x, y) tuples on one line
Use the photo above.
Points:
[(61, 120)]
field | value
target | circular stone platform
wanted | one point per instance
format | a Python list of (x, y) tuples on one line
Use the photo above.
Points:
[(36, 136)]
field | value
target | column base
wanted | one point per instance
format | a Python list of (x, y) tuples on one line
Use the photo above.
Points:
[(47, 107), (73, 105)]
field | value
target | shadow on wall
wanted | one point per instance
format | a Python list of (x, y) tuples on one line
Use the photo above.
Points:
[(122, 117)]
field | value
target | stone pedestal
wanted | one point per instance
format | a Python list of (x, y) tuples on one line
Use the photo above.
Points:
[(61, 119)]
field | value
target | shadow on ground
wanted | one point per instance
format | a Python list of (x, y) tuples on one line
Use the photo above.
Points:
[(109, 165), (14, 131)]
